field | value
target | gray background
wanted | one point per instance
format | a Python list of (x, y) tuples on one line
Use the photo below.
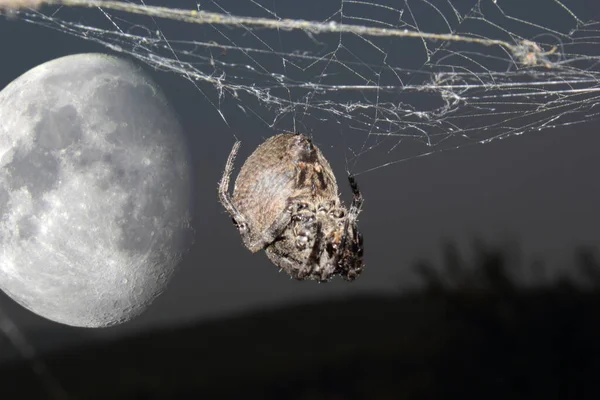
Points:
[(539, 190)]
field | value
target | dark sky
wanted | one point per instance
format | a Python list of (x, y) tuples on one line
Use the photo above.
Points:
[(539, 189)]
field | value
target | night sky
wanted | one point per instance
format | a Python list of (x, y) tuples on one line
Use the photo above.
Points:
[(539, 190)]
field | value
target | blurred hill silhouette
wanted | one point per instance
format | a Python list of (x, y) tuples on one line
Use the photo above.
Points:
[(483, 328)]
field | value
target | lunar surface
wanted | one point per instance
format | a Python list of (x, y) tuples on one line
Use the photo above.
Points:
[(94, 191)]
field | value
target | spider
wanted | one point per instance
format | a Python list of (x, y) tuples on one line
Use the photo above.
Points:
[(285, 201)]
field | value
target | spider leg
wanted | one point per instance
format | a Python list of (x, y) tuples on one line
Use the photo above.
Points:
[(355, 209), (276, 229), (355, 244), (225, 197), (273, 232), (357, 200), (328, 264), (313, 259)]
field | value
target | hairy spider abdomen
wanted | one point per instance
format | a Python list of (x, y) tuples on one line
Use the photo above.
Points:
[(286, 202), (279, 170)]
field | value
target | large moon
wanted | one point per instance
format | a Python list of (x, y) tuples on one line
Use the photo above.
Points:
[(94, 190)]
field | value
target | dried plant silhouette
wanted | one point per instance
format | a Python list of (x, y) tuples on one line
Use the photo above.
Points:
[(483, 326)]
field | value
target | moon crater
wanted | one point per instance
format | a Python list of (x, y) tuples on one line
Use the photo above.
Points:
[(95, 188)]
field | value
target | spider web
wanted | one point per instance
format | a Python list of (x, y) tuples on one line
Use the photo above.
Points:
[(396, 79)]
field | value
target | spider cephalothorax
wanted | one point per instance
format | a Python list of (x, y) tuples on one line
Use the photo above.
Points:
[(285, 201)]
